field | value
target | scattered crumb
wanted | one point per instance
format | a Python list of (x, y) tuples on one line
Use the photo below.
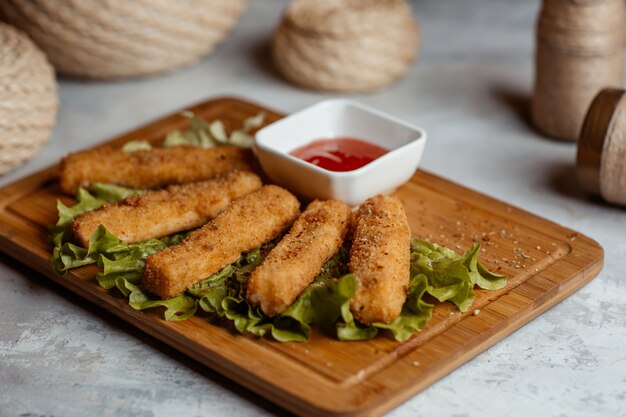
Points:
[(415, 363), (476, 312)]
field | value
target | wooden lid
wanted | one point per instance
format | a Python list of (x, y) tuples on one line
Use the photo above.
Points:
[(592, 137)]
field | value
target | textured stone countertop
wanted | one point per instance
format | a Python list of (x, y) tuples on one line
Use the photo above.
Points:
[(470, 91)]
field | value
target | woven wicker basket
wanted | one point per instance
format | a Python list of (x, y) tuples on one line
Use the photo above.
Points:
[(111, 39), (28, 98), (345, 45)]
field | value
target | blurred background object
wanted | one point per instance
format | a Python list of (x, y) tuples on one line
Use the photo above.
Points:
[(345, 45), (580, 50), (601, 157), (119, 38), (28, 98)]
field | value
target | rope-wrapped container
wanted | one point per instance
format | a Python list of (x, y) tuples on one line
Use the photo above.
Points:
[(345, 45), (580, 50), (28, 98), (113, 39)]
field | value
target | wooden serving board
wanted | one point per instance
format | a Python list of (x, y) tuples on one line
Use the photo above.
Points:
[(544, 261)]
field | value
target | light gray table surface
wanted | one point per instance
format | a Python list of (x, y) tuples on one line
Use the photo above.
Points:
[(470, 90)]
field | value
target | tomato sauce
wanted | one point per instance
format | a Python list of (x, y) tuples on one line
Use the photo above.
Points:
[(339, 154)]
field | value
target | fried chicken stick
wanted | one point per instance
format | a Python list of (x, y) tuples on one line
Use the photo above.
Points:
[(160, 213), (150, 168), (245, 225), (380, 259), (297, 259)]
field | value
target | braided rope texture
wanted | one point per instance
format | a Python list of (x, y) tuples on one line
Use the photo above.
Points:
[(28, 98), (116, 39), (345, 45), (580, 50)]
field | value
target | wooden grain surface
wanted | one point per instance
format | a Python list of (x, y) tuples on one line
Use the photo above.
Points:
[(544, 261)]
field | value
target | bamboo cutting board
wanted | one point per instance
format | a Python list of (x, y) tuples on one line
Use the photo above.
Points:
[(544, 261)]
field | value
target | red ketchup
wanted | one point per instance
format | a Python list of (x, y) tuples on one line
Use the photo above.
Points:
[(339, 154)]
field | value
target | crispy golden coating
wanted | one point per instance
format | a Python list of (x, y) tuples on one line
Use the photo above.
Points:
[(380, 259), (297, 259), (245, 225), (160, 213), (150, 168)]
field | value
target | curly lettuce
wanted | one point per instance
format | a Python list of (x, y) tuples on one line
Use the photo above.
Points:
[(437, 273), (205, 134), (67, 255)]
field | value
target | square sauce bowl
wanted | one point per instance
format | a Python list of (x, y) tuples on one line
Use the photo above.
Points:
[(332, 119)]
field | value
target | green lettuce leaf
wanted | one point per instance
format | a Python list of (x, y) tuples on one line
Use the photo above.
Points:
[(207, 134), (320, 304), (87, 201), (66, 255), (452, 276), (137, 145), (176, 308), (435, 271), (111, 192), (122, 266), (349, 329), (415, 313)]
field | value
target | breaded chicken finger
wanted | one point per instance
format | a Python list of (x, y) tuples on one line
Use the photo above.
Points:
[(380, 259), (160, 213), (150, 168), (246, 224), (297, 259)]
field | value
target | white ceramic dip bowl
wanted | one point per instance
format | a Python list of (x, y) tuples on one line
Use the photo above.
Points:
[(340, 118)]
